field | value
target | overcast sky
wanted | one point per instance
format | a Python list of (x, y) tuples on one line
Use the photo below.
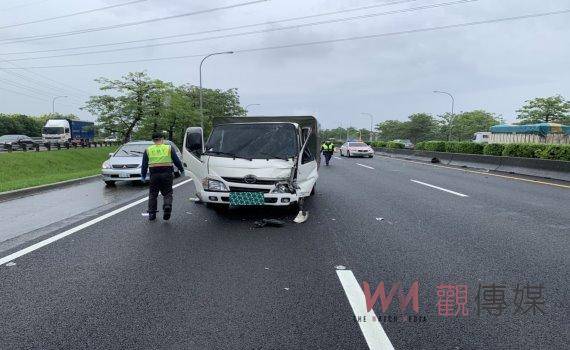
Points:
[(495, 66)]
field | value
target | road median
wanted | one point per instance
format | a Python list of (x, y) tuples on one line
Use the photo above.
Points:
[(552, 169)]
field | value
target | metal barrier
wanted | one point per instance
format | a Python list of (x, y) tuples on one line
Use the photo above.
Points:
[(554, 169)]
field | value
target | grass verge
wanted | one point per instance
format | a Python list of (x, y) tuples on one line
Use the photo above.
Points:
[(27, 169)]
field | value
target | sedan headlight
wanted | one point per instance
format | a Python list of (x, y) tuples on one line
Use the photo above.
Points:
[(214, 185), (281, 187), (106, 165)]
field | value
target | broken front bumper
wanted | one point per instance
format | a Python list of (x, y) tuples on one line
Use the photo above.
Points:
[(274, 199)]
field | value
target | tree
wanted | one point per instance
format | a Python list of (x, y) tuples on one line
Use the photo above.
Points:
[(123, 113), (554, 109), (391, 129), (420, 127), (466, 124)]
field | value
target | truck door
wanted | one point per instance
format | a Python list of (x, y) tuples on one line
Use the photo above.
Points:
[(192, 154), (307, 171)]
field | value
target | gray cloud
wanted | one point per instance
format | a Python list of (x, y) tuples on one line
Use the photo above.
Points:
[(494, 67)]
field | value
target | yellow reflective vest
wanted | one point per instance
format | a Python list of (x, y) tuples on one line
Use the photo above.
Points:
[(159, 155), (328, 147)]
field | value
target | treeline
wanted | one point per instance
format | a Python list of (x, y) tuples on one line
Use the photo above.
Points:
[(27, 125), (136, 105), (459, 127)]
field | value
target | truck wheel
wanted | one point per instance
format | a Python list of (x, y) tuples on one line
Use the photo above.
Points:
[(110, 183)]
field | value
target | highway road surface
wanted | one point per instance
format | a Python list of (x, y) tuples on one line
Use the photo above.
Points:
[(490, 255)]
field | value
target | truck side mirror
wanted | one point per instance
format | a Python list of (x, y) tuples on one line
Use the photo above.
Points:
[(194, 140)]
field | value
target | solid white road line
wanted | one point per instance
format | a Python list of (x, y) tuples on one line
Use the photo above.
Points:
[(64, 234), (440, 188), (365, 166), (373, 332)]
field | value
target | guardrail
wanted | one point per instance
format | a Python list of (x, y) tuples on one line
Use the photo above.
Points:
[(553, 169), (56, 146)]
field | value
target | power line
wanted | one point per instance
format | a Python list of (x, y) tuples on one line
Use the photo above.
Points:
[(72, 14), (216, 30), (297, 26), (311, 43), (23, 94), (123, 25), (50, 86)]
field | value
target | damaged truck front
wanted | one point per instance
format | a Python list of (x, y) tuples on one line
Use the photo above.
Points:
[(254, 160)]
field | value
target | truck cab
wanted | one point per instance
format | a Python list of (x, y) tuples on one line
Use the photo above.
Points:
[(56, 131), (273, 159)]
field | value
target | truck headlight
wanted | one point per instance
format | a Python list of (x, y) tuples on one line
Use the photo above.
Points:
[(106, 165), (214, 185), (281, 187)]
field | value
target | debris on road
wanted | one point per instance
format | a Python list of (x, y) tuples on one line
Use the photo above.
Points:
[(194, 199), (286, 288), (379, 219), (11, 263), (340, 267), (269, 222)]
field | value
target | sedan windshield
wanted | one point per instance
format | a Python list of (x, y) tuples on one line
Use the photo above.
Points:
[(132, 150), (253, 141), (357, 144)]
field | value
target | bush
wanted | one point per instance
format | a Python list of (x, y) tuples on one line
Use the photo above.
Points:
[(420, 145), (493, 149), (452, 146), (395, 145), (378, 144), (469, 147), (435, 146), (555, 152), (524, 150)]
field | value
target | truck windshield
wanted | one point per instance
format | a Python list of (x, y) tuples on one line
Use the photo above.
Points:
[(52, 130), (253, 141)]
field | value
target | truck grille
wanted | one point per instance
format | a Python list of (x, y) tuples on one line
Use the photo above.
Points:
[(248, 189), (240, 180)]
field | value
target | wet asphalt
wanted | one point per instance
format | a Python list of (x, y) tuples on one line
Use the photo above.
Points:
[(210, 280)]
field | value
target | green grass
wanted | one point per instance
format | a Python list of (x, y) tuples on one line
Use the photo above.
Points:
[(26, 169)]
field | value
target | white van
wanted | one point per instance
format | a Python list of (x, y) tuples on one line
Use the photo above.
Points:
[(481, 137), (254, 160)]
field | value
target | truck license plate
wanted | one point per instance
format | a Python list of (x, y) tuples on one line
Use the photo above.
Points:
[(246, 198)]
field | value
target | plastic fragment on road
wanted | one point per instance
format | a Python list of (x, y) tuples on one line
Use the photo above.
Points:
[(269, 222), (267, 268), (301, 217), (11, 263), (194, 199), (340, 267), (379, 219), (286, 288), (144, 214)]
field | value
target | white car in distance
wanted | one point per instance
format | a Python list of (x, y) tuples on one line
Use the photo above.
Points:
[(356, 149)]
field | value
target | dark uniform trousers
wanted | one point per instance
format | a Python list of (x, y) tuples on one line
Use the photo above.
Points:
[(160, 182), (328, 155)]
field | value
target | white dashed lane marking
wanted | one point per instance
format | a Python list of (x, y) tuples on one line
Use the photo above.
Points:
[(365, 166), (440, 188)]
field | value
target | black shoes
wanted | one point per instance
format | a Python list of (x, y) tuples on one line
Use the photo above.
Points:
[(167, 212), (151, 216)]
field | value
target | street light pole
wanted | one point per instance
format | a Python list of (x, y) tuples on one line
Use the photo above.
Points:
[(251, 104), (371, 123), (53, 103), (452, 110), (200, 92)]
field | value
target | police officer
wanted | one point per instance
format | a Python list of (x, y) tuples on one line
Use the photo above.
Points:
[(159, 159), (327, 149)]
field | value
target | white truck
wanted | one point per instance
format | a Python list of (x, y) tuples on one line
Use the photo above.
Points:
[(269, 161), (68, 131)]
